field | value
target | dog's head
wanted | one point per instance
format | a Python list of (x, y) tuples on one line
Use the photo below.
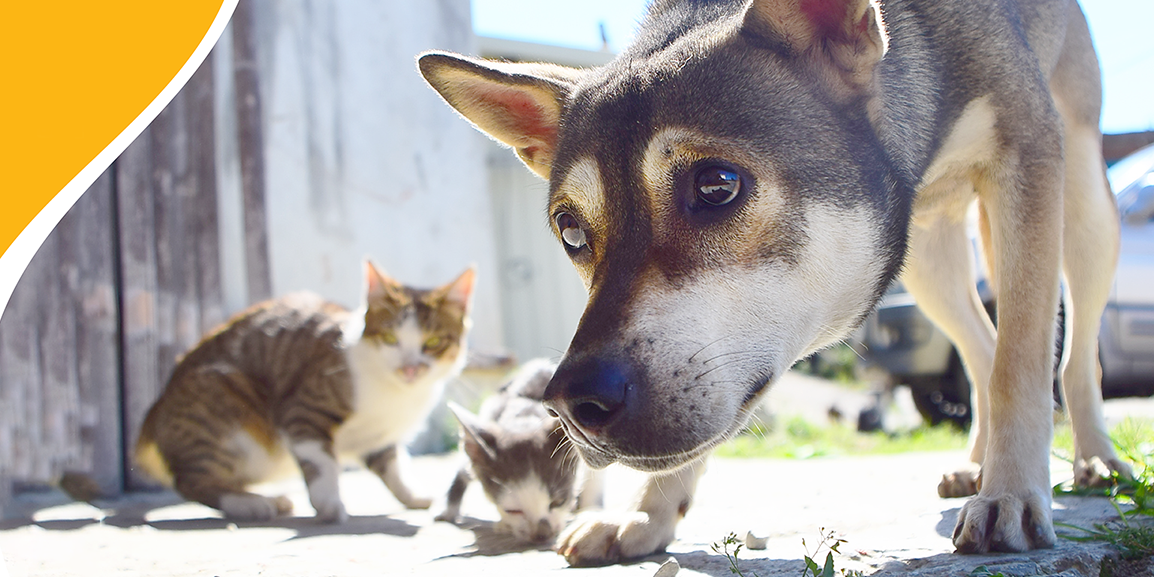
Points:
[(721, 191)]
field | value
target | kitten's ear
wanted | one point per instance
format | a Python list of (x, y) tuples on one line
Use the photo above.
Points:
[(377, 283), (460, 291), (479, 440)]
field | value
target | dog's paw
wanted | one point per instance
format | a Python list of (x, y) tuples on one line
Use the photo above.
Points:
[(1096, 472), (1007, 523), (961, 483), (603, 537)]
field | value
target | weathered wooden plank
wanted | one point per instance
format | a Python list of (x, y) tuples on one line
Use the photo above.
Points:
[(20, 371), (88, 231), (251, 142), (203, 207), (60, 404), (138, 273)]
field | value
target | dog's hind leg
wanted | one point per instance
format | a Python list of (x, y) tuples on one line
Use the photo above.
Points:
[(1090, 254), (940, 275)]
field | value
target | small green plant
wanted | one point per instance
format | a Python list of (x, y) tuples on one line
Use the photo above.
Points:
[(983, 571), (829, 540), (723, 546), (1133, 498)]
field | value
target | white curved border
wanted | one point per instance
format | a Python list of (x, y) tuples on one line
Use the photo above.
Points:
[(15, 260)]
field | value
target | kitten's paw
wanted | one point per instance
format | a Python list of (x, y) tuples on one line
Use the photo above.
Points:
[(250, 507), (1097, 472), (1007, 523), (449, 515), (961, 483), (605, 537)]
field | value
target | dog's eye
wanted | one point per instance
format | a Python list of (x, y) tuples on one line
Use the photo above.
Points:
[(717, 185), (571, 233)]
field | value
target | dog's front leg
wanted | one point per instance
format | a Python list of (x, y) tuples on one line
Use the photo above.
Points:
[(604, 537), (1012, 509)]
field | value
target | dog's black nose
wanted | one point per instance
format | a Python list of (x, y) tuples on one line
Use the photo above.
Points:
[(589, 392)]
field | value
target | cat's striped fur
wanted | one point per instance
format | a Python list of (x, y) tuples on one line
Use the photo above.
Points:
[(299, 377)]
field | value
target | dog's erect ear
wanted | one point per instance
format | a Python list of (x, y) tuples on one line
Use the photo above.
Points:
[(518, 104), (846, 37)]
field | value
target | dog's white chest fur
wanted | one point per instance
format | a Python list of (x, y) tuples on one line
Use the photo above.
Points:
[(946, 187)]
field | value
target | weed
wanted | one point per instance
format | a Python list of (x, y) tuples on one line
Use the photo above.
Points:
[(829, 540), (1133, 498), (723, 546), (983, 571)]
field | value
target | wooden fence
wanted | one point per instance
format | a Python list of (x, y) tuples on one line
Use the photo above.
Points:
[(129, 279)]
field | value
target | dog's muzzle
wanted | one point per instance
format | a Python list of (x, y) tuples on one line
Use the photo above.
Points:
[(612, 412)]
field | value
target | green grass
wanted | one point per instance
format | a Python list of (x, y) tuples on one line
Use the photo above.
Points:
[(1133, 532), (799, 439)]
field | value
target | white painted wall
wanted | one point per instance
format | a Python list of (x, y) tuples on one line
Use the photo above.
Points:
[(363, 159)]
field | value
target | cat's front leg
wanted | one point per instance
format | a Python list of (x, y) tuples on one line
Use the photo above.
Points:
[(388, 464), (452, 510), (604, 537), (320, 469)]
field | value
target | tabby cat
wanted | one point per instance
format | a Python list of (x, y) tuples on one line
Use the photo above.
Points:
[(302, 378)]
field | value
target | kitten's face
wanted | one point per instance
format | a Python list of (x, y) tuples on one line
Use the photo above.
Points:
[(529, 476), (419, 332)]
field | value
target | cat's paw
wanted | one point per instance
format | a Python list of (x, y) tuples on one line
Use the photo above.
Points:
[(418, 502), (448, 516), (1009, 523), (250, 507), (604, 537), (331, 511)]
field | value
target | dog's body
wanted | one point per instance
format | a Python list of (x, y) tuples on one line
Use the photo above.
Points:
[(739, 187)]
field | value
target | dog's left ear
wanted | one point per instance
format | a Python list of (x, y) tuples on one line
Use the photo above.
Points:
[(518, 104), (844, 39)]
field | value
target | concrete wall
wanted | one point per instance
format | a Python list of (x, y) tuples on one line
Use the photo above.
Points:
[(362, 159)]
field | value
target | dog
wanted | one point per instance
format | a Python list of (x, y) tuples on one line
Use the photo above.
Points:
[(739, 187)]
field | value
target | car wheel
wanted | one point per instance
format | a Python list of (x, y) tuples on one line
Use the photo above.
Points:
[(943, 398)]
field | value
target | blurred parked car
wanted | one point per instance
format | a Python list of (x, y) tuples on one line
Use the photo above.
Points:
[(899, 339)]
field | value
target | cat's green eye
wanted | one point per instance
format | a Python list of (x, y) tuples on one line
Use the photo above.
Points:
[(432, 343), (388, 338), (557, 503)]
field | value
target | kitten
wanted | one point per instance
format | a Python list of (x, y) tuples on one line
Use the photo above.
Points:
[(300, 378), (521, 456)]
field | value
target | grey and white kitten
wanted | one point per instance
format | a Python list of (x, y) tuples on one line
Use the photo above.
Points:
[(520, 455)]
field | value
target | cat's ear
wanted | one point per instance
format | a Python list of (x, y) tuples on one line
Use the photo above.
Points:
[(478, 439), (378, 284), (460, 291)]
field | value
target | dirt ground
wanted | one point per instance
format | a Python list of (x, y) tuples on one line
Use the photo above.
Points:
[(885, 507)]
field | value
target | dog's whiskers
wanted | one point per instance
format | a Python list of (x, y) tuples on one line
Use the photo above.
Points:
[(699, 351)]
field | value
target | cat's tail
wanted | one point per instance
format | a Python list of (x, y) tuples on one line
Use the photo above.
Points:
[(148, 456)]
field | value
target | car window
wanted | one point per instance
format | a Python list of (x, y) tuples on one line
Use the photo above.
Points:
[(1129, 170)]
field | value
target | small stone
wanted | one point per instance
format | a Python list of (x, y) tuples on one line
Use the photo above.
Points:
[(668, 568), (755, 542)]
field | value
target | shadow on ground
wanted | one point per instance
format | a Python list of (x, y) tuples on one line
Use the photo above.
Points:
[(133, 511)]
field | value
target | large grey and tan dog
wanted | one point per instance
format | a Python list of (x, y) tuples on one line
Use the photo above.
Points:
[(740, 185)]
